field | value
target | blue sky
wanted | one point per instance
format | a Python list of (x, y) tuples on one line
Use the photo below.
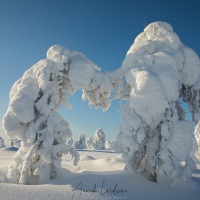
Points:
[(103, 30)]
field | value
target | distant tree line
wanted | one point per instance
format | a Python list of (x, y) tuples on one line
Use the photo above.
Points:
[(97, 142)]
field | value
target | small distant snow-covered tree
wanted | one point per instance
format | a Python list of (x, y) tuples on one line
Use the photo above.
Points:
[(99, 139), (70, 141), (1, 143), (80, 143), (109, 145), (90, 143)]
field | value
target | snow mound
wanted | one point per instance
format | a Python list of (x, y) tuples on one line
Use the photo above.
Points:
[(9, 149), (86, 158), (107, 184)]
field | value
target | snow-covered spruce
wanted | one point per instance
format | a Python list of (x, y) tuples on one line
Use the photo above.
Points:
[(109, 145), (32, 115), (70, 141), (98, 141), (2, 143), (32, 118), (89, 143), (80, 143), (155, 139)]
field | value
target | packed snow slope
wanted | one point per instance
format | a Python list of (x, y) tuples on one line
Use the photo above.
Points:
[(99, 175)]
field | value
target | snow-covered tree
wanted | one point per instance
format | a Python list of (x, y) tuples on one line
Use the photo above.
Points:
[(1, 143), (80, 143), (70, 141), (14, 142), (90, 143), (109, 145), (98, 141), (155, 139), (32, 115)]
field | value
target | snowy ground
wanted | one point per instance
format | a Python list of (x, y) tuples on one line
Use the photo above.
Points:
[(99, 175)]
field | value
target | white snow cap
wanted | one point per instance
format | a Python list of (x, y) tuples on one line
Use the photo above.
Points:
[(81, 70)]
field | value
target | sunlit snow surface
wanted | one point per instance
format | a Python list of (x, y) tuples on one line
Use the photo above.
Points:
[(103, 169)]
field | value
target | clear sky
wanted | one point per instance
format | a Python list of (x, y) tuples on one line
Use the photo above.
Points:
[(103, 30)]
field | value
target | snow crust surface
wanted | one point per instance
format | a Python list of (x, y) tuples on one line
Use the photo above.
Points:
[(106, 169)]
